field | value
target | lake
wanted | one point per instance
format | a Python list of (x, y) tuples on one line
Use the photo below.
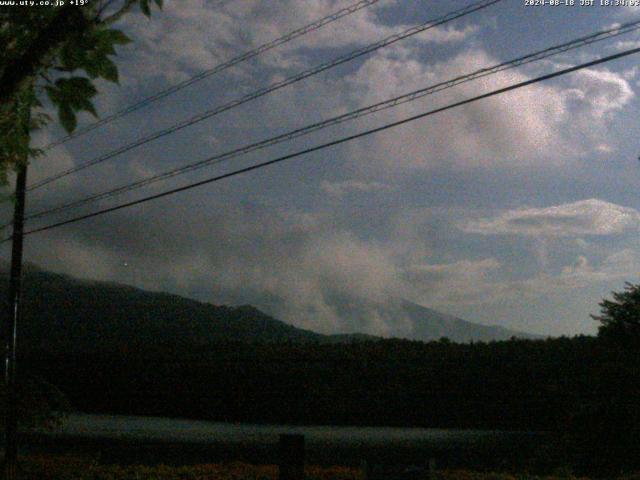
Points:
[(192, 431), (130, 439)]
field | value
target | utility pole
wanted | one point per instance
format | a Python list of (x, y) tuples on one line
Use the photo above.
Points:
[(15, 313)]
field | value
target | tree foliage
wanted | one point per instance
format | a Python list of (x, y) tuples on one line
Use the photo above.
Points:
[(40, 403), (54, 53), (57, 53), (620, 318)]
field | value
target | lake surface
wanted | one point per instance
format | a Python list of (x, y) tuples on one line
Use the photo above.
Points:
[(150, 440), (191, 431)]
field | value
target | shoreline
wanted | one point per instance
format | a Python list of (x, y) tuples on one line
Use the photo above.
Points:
[(125, 451)]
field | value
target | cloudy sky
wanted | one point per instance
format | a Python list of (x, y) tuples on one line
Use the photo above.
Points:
[(522, 210)]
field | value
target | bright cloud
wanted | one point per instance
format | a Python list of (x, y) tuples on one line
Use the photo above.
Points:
[(340, 189), (485, 133), (490, 132), (586, 217), (600, 91), (191, 36), (464, 281)]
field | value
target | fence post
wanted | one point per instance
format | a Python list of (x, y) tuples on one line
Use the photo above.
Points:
[(291, 462), (432, 468), (364, 470)]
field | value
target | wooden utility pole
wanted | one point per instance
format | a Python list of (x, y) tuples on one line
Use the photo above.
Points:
[(14, 305)]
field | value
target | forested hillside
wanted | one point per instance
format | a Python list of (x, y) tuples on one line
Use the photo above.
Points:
[(168, 356)]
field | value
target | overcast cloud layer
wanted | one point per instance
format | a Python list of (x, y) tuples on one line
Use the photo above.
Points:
[(520, 210)]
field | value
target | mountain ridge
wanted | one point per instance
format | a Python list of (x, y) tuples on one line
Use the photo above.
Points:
[(63, 312)]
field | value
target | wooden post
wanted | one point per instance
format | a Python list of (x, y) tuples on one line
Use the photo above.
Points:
[(291, 461), (14, 306), (364, 470), (432, 468)]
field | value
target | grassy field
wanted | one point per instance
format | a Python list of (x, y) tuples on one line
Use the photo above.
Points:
[(60, 467), (49, 467)]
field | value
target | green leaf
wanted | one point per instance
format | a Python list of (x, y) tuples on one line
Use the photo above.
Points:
[(117, 37), (71, 56), (110, 36), (53, 94), (144, 6), (159, 3), (67, 118), (75, 87), (104, 48), (72, 95), (102, 66), (109, 71), (90, 52), (102, 43), (92, 69), (86, 105)]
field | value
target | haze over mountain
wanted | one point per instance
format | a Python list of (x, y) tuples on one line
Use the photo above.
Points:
[(62, 312), (417, 322)]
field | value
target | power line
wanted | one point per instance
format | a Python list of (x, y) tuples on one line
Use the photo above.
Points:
[(393, 102), (217, 69), (271, 88), (334, 142)]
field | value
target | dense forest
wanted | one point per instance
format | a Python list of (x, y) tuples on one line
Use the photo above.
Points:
[(580, 388), (519, 384), (239, 365)]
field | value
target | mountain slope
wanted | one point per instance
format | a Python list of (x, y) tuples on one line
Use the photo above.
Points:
[(429, 324), (405, 319), (62, 313)]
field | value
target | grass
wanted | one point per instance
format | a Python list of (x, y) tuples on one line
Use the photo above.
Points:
[(59, 467), (66, 467)]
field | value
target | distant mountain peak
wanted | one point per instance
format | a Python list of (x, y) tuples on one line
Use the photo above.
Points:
[(429, 323), (406, 319), (63, 312)]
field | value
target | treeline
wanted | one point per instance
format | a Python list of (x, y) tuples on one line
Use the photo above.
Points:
[(518, 384), (582, 390)]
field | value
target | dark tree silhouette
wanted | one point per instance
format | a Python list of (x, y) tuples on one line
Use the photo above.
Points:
[(620, 318), (58, 53)]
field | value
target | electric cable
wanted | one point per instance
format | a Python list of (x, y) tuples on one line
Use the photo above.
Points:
[(271, 88), (332, 143), (361, 112), (217, 69)]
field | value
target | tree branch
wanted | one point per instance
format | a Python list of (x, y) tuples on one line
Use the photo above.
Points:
[(121, 12), (20, 70), (102, 8)]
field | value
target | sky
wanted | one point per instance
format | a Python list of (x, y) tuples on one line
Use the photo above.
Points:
[(521, 210)]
